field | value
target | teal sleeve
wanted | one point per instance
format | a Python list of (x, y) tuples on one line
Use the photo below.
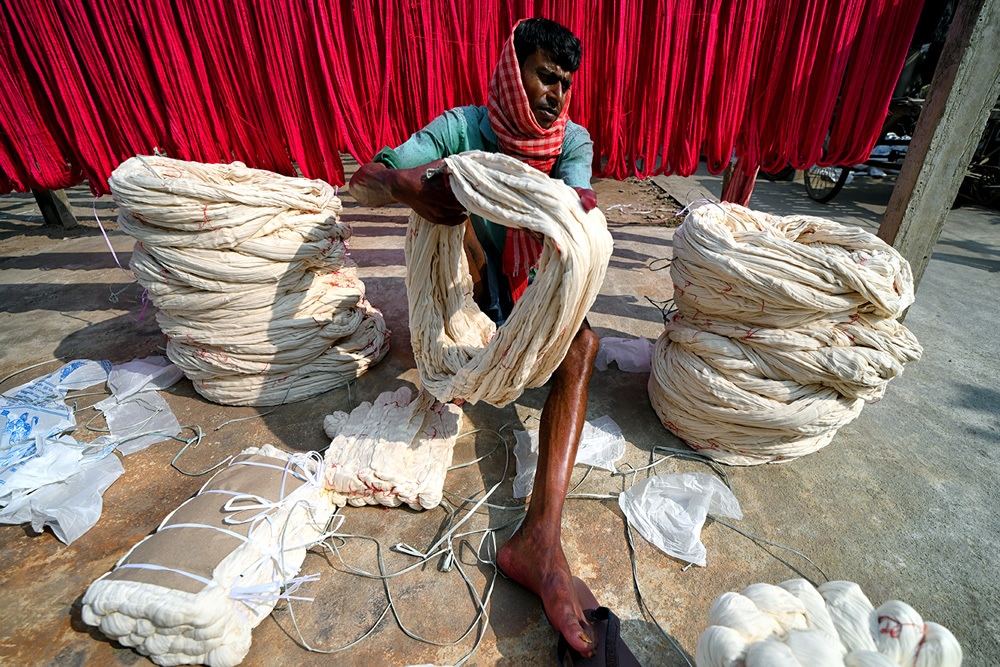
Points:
[(575, 163), (443, 136)]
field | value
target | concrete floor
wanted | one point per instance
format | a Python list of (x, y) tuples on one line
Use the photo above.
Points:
[(904, 500)]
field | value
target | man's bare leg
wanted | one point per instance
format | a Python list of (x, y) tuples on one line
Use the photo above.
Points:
[(534, 556)]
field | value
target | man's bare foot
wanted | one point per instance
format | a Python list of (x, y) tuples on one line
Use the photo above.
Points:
[(540, 566)]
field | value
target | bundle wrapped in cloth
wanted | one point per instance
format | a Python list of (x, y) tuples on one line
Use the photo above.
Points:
[(795, 625), (785, 327), (248, 269), (192, 592)]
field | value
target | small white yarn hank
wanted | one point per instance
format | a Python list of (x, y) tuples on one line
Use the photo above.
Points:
[(192, 592), (249, 272), (391, 451), (458, 350), (796, 625), (785, 327)]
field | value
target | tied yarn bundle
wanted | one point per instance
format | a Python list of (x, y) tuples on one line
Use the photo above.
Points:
[(192, 592), (785, 327), (459, 351), (391, 451), (248, 269), (795, 625)]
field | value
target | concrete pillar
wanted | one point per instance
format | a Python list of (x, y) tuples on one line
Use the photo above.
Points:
[(965, 87), (55, 207)]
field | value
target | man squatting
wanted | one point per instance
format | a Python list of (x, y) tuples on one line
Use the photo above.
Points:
[(526, 117)]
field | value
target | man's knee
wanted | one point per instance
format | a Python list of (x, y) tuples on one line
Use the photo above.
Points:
[(582, 351)]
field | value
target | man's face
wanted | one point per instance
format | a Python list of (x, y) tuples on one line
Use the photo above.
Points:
[(547, 86)]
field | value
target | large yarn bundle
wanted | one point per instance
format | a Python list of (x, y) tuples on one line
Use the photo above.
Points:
[(458, 350), (248, 269), (391, 451), (785, 327), (795, 625), (191, 592)]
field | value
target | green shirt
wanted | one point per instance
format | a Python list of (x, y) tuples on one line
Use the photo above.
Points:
[(468, 128)]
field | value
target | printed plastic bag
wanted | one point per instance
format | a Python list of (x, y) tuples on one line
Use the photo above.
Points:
[(669, 511), (601, 445), (37, 408)]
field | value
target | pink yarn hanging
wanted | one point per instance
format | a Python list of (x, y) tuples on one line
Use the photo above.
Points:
[(85, 84)]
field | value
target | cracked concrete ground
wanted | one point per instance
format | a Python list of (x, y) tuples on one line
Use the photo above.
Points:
[(903, 501)]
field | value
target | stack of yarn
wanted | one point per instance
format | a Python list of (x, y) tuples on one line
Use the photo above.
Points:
[(785, 327), (249, 270)]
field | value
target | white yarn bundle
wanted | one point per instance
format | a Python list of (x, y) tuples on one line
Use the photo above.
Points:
[(192, 592), (391, 451), (249, 272), (792, 625), (458, 350), (785, 327)]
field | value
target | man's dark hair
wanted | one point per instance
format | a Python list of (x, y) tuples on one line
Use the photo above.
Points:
[(545, 35)]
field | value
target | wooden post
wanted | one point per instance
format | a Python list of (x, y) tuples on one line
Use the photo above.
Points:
[(964, 89), (55, 208)]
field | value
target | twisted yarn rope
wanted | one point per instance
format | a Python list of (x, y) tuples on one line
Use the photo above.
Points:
[(793, 625), (249, 272), (785, 327), (459, 351)]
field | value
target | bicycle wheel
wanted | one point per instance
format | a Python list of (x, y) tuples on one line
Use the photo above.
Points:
[(823, 183)]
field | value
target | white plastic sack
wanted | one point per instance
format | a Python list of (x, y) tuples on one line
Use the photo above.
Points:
[(669, 511), (70, 506), (633, 355), (144, 413), (601, 445), (37, 407), (150, 374)]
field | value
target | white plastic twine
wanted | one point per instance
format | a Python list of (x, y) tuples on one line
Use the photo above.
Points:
[(249, 271), (785, 327), (458, 350)]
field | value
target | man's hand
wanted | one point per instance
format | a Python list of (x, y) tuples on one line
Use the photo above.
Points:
[(431, 198), (588, 198), (375, 185)]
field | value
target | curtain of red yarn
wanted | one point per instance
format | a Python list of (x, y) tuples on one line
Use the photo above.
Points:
[(84, 84)]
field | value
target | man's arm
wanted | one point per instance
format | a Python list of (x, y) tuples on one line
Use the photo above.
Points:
[(375, 185)]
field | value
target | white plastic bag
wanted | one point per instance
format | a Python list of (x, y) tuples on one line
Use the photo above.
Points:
[(135, 407), (669, 511), (601, 445), (633, 355), (149, 374), (37, 408), (69, 506)]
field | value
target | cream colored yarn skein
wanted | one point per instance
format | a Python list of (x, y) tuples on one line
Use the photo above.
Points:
[(785, 329), (458, 350), (249, 272), (796, 625)]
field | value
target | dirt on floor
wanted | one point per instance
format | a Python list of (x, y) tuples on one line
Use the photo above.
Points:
[(636, 201)]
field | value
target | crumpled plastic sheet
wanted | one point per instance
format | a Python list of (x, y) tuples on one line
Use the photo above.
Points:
[(135, 407), (670, 510), (601, 445), (51, 479), (633, 355), (68, 496)]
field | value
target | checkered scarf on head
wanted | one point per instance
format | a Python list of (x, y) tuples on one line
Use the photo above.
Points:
[(520, 136)]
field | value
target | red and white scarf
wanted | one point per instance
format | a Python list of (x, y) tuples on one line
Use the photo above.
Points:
[(520, 136)]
